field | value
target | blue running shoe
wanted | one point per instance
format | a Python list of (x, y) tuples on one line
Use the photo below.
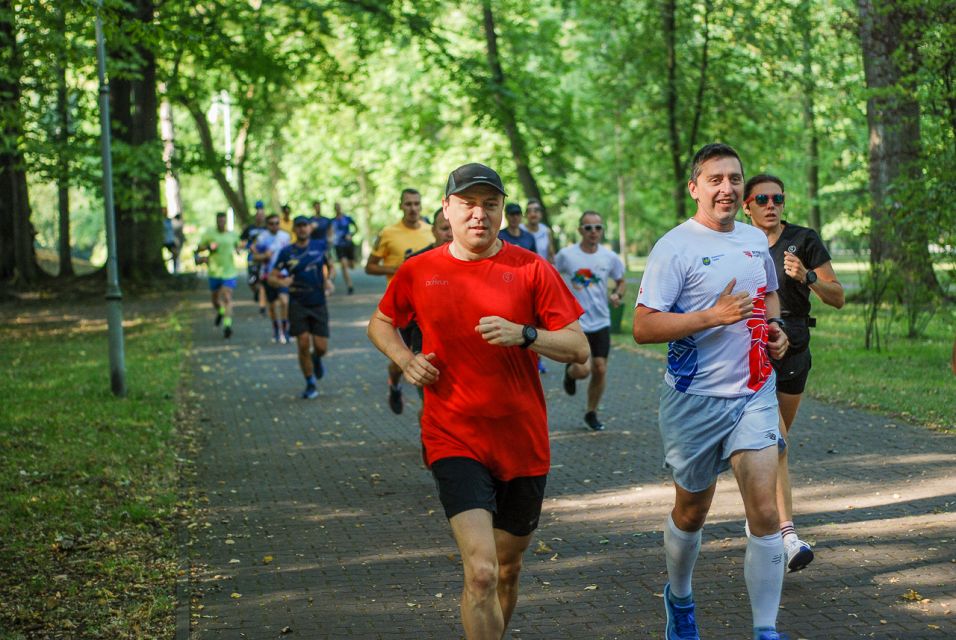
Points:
[(772, 635), (318, 369), (310, 392), (680, 619)]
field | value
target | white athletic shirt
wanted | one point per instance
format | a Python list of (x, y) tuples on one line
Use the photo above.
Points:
[(274, 242), (541, 238), (588, 275), (687, 270)]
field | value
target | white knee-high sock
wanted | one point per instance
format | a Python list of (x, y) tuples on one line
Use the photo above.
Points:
[(681, 549), (763, 572)]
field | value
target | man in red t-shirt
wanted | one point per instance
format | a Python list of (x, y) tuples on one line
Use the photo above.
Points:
[(486, 310)]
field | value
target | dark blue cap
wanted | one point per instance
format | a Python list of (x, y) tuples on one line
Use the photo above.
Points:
[(302, 220)]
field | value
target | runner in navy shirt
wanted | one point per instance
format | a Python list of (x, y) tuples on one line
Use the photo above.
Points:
[(343, 227), (301, 267)]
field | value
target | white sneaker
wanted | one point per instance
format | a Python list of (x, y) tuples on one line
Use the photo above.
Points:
[(799, 553)]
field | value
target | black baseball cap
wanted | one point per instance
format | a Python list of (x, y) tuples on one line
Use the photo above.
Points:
[(301, 220), (468, 175)]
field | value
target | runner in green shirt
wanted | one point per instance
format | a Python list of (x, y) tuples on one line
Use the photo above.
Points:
[(221, 246)]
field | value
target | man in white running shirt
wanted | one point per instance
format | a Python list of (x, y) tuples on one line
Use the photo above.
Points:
[(709, 290), (588, 269)]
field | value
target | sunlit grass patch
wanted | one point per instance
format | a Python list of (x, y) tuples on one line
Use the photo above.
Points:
[(89, 482)]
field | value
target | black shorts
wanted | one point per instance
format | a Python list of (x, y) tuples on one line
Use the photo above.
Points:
[(313, 319), (465, 484), (272, 293), (252, 275), (792, 372), (345, 251), (600, 342)]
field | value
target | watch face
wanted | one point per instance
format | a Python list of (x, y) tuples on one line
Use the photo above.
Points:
[(811, 277), (530, 333)]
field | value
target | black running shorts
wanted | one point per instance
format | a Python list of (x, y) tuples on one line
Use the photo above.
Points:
[(600, 342), (465, 484), (308, 319), (792, 372)]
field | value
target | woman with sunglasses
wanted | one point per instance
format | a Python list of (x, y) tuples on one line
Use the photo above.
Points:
[(803, 265)]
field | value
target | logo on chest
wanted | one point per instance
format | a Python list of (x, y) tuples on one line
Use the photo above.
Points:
[(435, 281)]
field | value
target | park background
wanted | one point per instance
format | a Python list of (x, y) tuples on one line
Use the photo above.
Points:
[(582, 104)]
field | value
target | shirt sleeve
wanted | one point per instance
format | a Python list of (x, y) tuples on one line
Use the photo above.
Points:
[(397, 302), (817, 253), (555, 306), (560, 262), (380, 248), (771, 269), (617, 267), (663, 278)]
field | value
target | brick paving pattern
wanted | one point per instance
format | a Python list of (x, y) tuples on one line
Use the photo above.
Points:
[(322, 523)]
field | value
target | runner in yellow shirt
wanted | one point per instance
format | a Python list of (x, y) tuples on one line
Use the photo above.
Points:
[(393, 244), (221, 246)]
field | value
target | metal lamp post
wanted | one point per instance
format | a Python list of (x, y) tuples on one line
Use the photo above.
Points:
[(114, 296)]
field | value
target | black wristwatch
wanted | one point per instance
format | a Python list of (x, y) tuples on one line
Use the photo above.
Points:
[(779, 321), (530, 334), (811, 277)]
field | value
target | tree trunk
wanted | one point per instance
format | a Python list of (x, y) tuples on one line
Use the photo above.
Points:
[(621, 189), (802, 18), (506, 113), (892, 114), (63, 161), (134, 112), (17, 255), (680, 159), (212, 160)]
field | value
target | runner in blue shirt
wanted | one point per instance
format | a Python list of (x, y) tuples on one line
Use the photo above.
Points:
[(301, 268), (343, 227)]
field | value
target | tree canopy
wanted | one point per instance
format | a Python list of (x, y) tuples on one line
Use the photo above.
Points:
[(581, 103)]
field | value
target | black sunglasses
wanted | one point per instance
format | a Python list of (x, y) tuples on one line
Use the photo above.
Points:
[(593, 227), (762, 199)]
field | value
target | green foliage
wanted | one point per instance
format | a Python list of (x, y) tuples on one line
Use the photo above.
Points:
[(89, 481)]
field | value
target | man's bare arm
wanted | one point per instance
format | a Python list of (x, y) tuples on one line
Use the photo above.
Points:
[(652, 326)]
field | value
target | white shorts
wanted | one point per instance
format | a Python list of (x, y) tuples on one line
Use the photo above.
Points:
[(700, 433)]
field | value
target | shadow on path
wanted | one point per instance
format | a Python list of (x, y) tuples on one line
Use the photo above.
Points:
[(321, 519)]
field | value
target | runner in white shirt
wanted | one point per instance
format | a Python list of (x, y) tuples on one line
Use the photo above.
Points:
[(588, 268), (264, 251), (709, 290)]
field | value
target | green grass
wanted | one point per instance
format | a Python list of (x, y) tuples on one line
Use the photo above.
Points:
[(908, 379), (89, 482)]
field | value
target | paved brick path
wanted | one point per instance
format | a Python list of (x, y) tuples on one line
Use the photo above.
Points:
[(333, 491)]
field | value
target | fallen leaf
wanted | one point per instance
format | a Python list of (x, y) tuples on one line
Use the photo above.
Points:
[(235, 596), (912, 595), (591, 587), (267, 560), (543, 548)]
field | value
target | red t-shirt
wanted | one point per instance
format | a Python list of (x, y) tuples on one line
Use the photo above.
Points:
[(488, 403)]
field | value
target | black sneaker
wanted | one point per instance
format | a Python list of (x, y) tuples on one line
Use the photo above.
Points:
[(395, 402), (570, 384), (592, 421), (218, 320), (227, 332)]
